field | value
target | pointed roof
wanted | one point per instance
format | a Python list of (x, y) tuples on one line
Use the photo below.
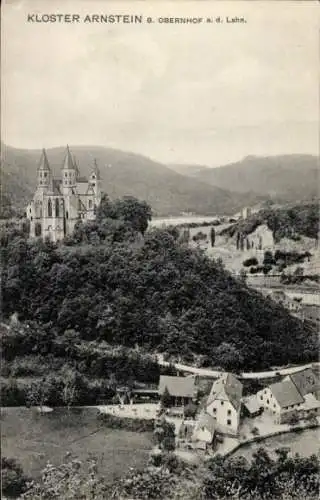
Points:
[(306, 381), (226, 388), (44, 162), (76, 166), (286, 393), (68, 163), (95, 168), (207, 421)]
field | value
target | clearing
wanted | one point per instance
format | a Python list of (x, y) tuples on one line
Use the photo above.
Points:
[(35, 439)]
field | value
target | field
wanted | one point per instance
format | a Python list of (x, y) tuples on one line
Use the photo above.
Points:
[(35, 439)]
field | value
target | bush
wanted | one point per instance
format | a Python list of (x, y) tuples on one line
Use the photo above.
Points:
[(11, 394), (13, 480), (129, 424), (252, 261)]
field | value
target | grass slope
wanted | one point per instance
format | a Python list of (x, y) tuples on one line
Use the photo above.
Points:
[(35, 439)]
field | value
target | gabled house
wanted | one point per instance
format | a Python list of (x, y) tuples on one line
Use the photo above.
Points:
[(298, 393), (250, 406), (182, 390), (224, 404), (204, 431)]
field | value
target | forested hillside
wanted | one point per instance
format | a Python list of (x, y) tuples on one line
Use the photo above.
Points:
[(123, 173), (290, 221), (285, 178), (111, 283)]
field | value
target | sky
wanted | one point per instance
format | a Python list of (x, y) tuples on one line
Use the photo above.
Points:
[(207, 93)]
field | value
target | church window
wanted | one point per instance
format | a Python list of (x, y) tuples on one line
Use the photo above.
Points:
[(57, 207), (67, 214), (93, 177), (49, 208), (229, 422), (37, 229), (90, 203), (40, 181), (45, 174), (66, 174)]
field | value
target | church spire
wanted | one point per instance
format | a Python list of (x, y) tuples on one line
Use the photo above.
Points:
[(95, 169), (76, 166), (44, 162), (68, 161)]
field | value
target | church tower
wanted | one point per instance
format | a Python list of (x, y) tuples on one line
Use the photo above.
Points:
[(95, 183), (69, 174), (44, 174)]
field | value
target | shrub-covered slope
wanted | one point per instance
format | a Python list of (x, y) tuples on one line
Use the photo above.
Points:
[(109, 284)]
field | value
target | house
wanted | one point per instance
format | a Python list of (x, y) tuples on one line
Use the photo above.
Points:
[(245, 212), (204, 431), (224, 404), (296, 394), (58, 204), (293, 304), (310, 312), (181, 389), (307, 381), (251, 407)]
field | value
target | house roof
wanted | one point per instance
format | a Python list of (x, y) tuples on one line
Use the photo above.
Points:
[(207, 421), (306, 381), (82, 187), (177, 386), (251, 403), (227, 388), (286, 393)]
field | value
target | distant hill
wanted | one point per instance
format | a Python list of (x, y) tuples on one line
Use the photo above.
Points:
[(284, 178), (122, 173)]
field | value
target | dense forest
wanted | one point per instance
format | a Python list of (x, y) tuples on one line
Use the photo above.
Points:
[(291, 222), (115, 282)]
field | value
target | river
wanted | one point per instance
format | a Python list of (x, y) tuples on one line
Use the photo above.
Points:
[(183, 219), (305, 443)]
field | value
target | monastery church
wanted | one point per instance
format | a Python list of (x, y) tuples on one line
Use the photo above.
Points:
[(58, 204)]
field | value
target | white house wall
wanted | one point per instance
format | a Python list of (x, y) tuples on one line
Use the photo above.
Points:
[(226, 416)]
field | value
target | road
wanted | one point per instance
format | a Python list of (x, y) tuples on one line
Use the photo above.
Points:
[(204, 372)]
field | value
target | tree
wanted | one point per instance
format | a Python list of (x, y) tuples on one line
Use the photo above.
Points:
[(212, 236), (165, 435), (45, 391), (71, 386), (138, 213), (13, 480), (294, 418), (166, 398), (190, 410)]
